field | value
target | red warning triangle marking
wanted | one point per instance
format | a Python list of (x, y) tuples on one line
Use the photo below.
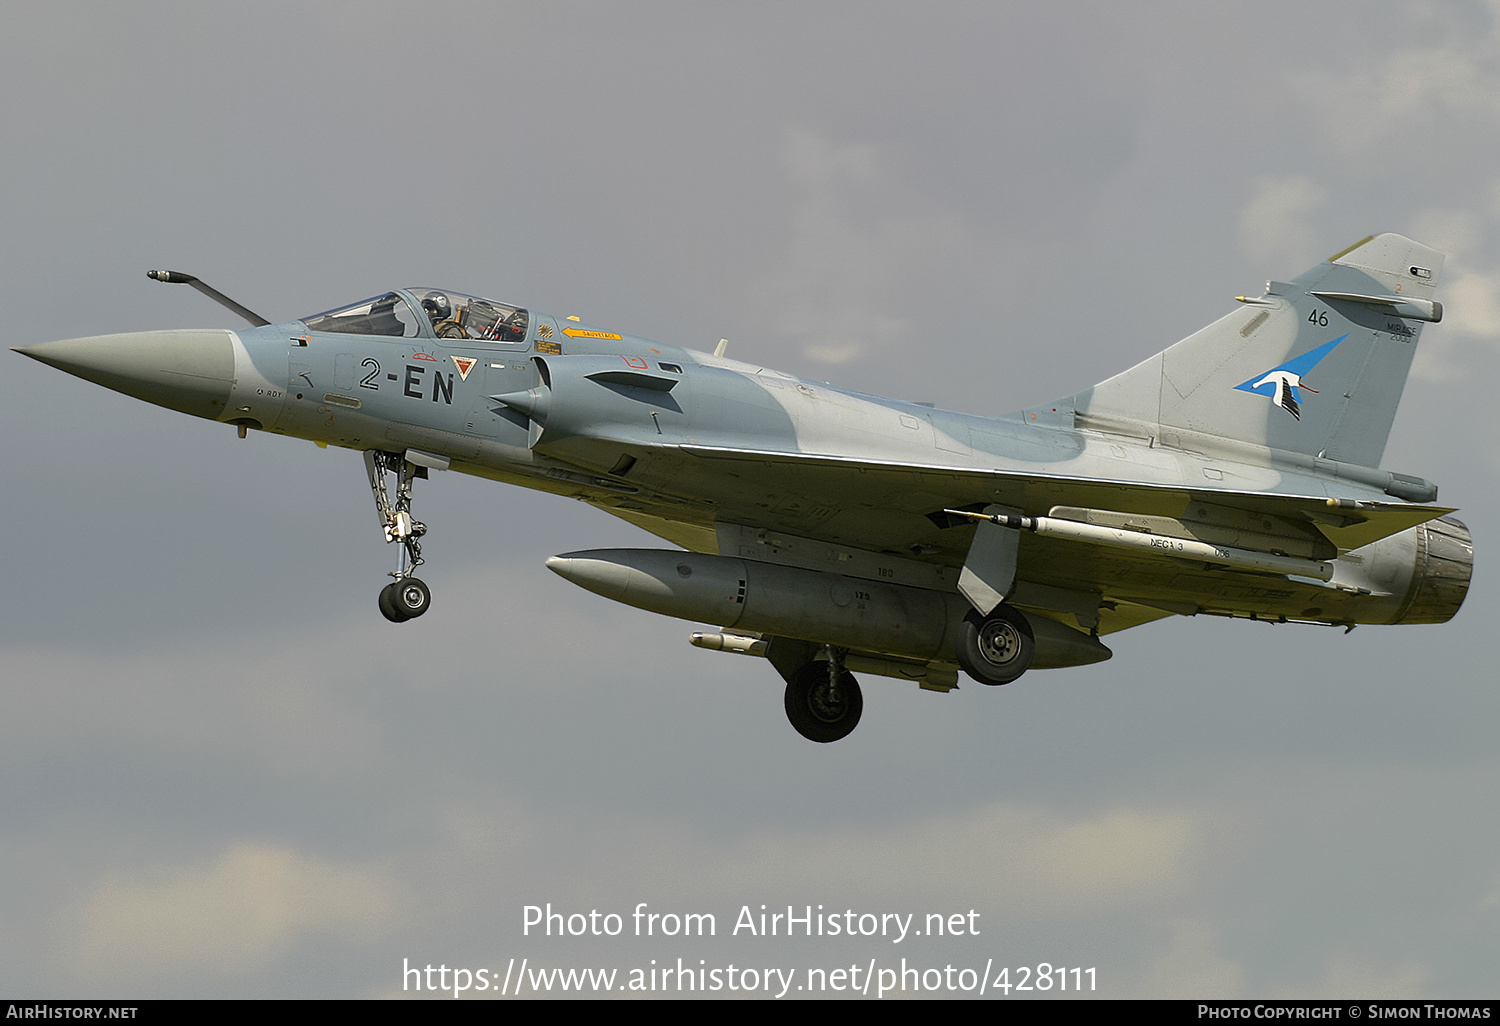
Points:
[(464, 365)]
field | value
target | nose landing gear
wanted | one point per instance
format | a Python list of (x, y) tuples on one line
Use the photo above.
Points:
[(404, 600), (406, 597)]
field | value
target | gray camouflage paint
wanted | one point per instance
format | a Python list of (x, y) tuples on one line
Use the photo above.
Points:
[(684, 444)]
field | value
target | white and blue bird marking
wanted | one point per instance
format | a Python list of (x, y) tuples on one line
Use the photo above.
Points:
[(1283, 384)]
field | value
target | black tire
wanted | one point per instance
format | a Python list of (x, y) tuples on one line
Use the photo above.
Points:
[(388, 605), (812, 713), (996, 649), (410, 598)]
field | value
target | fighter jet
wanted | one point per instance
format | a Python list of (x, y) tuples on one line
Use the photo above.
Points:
[(831, 532)]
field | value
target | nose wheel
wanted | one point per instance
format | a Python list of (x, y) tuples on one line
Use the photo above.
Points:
[(406, 597), (403, 600)]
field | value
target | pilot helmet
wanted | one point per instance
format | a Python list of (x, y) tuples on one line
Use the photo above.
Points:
[(437, 306)]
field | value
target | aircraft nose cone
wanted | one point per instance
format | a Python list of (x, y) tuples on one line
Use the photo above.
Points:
[(190, 371)]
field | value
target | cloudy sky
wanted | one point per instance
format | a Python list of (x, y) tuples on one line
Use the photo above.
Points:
[(222, 773)]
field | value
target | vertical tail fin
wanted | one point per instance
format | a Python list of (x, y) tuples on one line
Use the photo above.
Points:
[(1314, 366)]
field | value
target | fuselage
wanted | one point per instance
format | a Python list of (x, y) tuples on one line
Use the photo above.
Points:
[(665, 437), (830, 532)]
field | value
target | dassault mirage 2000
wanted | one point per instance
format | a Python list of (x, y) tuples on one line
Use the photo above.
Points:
[(1234, 474)]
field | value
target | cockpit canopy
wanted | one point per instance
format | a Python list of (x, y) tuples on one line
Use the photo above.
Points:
[(414, 313)]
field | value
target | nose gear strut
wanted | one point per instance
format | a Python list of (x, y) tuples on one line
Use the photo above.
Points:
[(406, 597)]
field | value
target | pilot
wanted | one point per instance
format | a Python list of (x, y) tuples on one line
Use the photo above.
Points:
[(440, 312), (437, 306)]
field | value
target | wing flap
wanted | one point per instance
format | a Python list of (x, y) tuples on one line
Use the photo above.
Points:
[(1372, 523)]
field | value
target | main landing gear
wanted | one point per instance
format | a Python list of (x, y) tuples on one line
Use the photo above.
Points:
[(823, 699), (996, 649), (406, 597)]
